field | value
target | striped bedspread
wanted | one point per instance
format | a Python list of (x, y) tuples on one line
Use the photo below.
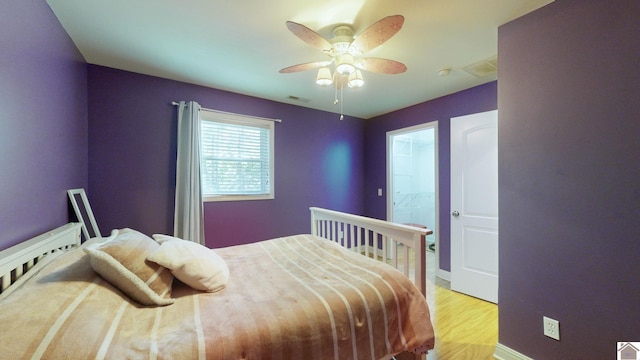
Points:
[(297, 297)]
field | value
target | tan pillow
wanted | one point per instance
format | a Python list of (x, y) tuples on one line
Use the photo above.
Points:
[(193, 264), (122, 262)]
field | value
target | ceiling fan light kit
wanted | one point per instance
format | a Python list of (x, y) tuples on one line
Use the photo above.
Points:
[(324, 77), (345, 50), (345, 64), (355, 79)]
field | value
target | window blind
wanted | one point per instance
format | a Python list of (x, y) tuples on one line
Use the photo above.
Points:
[(235, 158)]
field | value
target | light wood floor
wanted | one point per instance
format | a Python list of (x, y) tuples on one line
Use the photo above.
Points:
[(465, 327)]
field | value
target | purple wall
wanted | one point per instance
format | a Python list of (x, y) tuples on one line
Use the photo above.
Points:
[(569, 155), (478, 99), (569, 177), (43, 121), (132, 149)]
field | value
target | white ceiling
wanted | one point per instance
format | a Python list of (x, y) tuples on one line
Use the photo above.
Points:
[(239, 46)]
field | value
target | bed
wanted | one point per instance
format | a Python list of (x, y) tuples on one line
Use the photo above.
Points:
[(295, 297)]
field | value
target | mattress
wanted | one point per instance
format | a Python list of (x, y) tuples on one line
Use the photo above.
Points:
[(296, 297)]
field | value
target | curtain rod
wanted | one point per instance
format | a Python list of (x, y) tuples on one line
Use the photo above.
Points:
[(228, 113)]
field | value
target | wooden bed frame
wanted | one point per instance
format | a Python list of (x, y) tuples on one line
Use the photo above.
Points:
[(17, 260), (401, 246), (370, 237), (378, 239)]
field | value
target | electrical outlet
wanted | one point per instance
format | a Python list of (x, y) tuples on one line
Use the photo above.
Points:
[(551, 328)]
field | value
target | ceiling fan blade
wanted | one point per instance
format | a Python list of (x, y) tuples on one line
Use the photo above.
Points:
[(382, 66), (305, 67), (376, 34), (309, 36)]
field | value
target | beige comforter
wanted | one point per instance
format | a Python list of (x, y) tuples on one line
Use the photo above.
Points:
[(297, 297)]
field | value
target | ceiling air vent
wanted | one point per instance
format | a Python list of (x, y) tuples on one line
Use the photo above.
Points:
[(483, 68), (296, 98)]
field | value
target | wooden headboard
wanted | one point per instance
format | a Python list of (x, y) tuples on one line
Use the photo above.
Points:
[(18, 259)]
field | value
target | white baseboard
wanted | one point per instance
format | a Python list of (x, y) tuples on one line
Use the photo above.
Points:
[(505, 353), (444, 274)]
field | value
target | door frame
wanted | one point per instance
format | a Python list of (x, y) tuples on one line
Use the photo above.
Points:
[(389, 200)]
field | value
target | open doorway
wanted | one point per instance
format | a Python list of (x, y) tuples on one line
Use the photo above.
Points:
[(412, 179)]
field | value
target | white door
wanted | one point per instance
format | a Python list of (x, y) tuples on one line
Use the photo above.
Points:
[(474, 205)]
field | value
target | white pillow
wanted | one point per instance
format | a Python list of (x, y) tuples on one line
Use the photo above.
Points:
[(193, 264)]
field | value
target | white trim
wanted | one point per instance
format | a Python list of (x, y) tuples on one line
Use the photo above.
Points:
[(175, 103), (506, 353), (389, 200), (444, 274)]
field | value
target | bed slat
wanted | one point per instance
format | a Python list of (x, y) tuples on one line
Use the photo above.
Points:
[(362, 234)]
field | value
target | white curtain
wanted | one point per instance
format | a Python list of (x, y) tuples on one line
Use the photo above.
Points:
[(188, 219)]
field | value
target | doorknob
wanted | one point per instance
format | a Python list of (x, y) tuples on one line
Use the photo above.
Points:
[(455, 213)]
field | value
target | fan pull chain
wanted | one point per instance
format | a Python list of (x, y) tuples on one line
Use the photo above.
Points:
[(341, 103), (335, 96)]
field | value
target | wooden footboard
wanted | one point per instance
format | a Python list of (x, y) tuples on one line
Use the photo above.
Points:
[(399, 245), (18, 259)]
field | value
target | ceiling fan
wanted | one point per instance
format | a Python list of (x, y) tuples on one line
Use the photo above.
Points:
[(346, 52)]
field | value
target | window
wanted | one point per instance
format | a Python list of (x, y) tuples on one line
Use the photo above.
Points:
[(236, 157)]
